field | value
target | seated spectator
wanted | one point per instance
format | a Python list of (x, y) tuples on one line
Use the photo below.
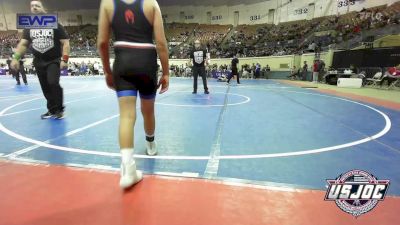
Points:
[(96, 68), (257, 70), (294, 73), (391, 75)]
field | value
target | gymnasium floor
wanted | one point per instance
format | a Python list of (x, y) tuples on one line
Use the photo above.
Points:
[(257, 153)]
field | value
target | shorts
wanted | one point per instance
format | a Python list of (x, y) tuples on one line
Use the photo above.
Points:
[(135, 70)]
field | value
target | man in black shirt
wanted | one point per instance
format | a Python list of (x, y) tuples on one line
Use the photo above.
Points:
[(234, 68), (48, 46), (198, 57)]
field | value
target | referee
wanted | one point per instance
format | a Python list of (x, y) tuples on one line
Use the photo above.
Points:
[(234, 67), (198, 58), (48, 47)]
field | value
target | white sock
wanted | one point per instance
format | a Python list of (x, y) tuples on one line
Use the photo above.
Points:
[(127, 155)]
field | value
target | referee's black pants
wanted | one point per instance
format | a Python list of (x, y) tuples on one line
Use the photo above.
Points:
[(49, 79), (199, 71)]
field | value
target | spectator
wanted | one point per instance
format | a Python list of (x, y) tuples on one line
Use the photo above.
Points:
[(321, 70), (353, 69), (257, 70), (315, 71), (391, 75), (305, 70), (83, 69), (96, 67), (294, 73)]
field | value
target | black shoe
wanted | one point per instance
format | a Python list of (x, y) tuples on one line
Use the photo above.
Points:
[(59, 115), (206, 92), (26, 83), (194, 92), (47, 115), (18, 83)]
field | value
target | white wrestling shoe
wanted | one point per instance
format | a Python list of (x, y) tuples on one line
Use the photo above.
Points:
[(151, 148), (129, 175)]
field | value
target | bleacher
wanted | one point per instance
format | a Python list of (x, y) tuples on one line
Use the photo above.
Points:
[(211, 33), (252, 40), (179, 32), (8, 40)]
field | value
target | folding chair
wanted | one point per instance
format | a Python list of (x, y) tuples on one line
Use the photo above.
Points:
[(376, 79), (394, 83)]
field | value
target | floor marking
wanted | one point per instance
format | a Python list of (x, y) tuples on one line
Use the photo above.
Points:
[(190, 174), (386, 129), (183, 174), (23, 151), (31, 161), (76, 166), (258, 186), (18, 96), (34, 109), (4, 89), (207, 106), (100, 167), (272, 155), (70, 133), (70, 90), (173, 176), (213, 163)]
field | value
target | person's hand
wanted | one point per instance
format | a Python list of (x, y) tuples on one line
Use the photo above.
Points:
[(15, 65), (164, 83), (63, 65), (110, 81)]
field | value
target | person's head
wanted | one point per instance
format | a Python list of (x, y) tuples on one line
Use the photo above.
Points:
[(197, 44), (305, 62), (37, 7)]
